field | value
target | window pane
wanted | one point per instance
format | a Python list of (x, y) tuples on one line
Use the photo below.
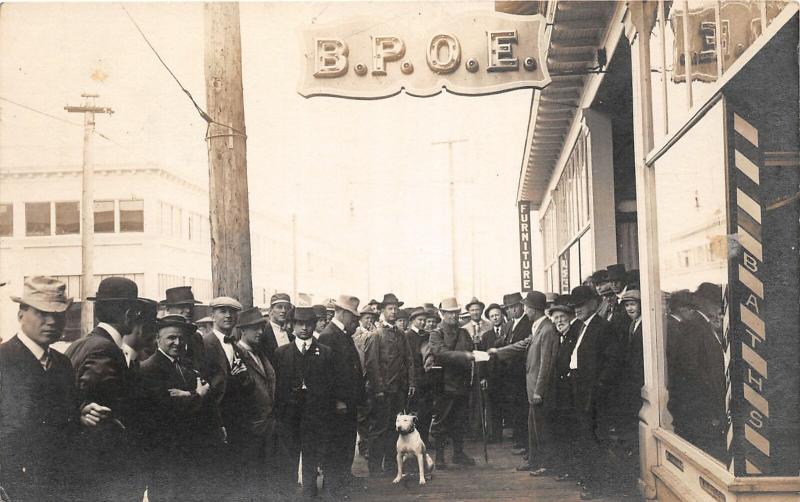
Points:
[(104, 216), (37, 218), (131, 216), (6, 220), (68, 216), (692, 221)]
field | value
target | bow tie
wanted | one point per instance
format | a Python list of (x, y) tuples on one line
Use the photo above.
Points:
[(229, 339)]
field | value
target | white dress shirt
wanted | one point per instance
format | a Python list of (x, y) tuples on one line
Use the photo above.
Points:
[(167, 356), (302, 345), (37, 350), (573, 360), (225, 346), (113, 332), (280, 334)]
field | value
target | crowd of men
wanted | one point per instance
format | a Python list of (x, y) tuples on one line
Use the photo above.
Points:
[(244, 404)]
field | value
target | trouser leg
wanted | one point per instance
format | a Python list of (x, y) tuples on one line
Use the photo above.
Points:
[(341, 449)]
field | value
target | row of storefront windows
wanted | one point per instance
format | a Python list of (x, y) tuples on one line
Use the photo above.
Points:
[(63, 218)]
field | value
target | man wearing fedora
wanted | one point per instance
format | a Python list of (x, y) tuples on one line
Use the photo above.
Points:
[(593, 371), (452, 348), (475, 326), (172, 395), (103, 377), (390, 383), (252, 419), (513, 372), (180, 301), (539, 351), (419, 343), (349, 391), (275, 332), (305, 400), (38, 403)]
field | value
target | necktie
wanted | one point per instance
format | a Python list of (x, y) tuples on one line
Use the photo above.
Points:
[(303, 350), (45, 360), (179, 370)]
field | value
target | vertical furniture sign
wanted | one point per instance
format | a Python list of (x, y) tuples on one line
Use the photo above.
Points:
[(525, 254)]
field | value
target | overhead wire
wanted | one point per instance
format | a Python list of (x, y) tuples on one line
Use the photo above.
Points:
[(205, 116)]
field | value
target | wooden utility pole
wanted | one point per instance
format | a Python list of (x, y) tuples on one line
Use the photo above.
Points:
[(452, 193), (229, 208), (87, 207)]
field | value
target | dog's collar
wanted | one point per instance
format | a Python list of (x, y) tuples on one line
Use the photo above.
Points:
[(413, 428)]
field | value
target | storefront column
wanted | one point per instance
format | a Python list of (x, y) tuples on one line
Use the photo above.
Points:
[(602, 202), (640, 19)]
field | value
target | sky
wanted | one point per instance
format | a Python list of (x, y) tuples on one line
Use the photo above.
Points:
[(363, 173)]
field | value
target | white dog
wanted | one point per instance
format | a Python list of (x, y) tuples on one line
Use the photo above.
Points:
[(410, 444)]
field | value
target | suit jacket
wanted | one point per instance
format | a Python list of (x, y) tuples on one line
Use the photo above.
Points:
[(560, 392), (540, 350), (270, 343), (38, 421), (513, 372), (349, 375), (629, 392), (419, 343), (195, 352), (598, 364), (451, 347), (314, 404), (169, 421), (252, 408), (511, 334), (103, 377), (224, 387), (390, 366)]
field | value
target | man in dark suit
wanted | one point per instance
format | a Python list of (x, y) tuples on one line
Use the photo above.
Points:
[(252, 429), (593, 372), (494, 385), (452, 348), (180, 301), (172, 398), (349, 393), (275, 331), (512, 372), (226, 374), (390, 379), (38, 403), (304, 372), (539, 351), (419, 343), (103, 377)]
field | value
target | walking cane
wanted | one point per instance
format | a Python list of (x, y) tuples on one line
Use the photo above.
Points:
[(482, 408)]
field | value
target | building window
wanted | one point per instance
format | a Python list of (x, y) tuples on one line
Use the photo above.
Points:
[(68, 218), (104, 216), (131, 216), (37, 218), (6, 220)]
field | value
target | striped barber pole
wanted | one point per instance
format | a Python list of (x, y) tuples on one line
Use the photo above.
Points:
[(747, 301)]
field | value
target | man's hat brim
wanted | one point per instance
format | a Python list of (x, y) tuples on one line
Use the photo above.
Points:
[(56, 307)]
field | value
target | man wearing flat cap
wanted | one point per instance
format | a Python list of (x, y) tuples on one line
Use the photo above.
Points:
[(180, 301), (172, 400), (390, 380), (225, 373), (539, 352), (103, 377), (349, 391), (513, 372), (275, 332), (251, 427), (38, 402), (452, 348), (305, 400)]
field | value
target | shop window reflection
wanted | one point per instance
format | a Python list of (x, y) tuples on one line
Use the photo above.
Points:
[(694, 270)]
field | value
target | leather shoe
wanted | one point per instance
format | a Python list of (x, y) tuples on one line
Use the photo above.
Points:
[(541, 471)]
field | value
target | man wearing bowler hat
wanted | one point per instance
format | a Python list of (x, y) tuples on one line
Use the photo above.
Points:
[(38, 403), (180, 301), (275, 332), (539, 351), (349, 391), (173, 396), (103, 377), (452, 348), (305, 400), (593, 371), (390, 380), (513, 372)]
